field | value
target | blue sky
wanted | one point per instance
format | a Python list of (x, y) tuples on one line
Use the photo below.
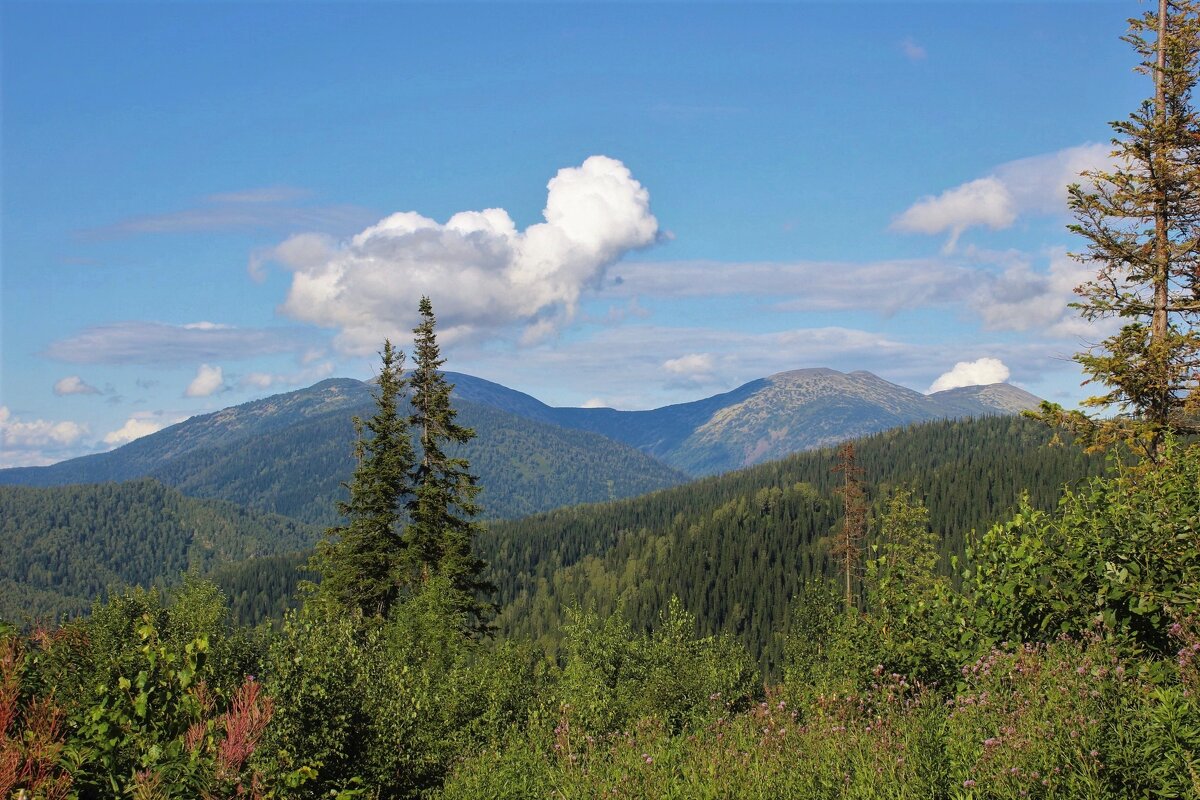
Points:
[(205, 203)]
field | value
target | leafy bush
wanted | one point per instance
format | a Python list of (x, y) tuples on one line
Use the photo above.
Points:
[(1120, 555), (614, 677)]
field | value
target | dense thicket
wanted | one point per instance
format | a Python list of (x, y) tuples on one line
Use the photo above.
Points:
[(65, 546), (928, 691), (736, 548)]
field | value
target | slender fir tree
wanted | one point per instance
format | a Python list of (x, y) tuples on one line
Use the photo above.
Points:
[(848, 544), (441, 531), (1141, 223), (361, 562)]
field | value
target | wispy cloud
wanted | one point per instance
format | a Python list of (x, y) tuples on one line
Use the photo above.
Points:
[(882, 286), (262, 194), (627, 363), (912, 50), (1035, 185), (692, 369), (160, 343), (271, 208), (311, 373), (73, 384)]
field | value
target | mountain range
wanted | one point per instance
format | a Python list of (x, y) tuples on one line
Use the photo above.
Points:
[(289, 453), (229, 493)]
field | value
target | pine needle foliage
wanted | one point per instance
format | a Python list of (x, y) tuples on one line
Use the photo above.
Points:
[(1141, 224), (361, 562), (441, 531)]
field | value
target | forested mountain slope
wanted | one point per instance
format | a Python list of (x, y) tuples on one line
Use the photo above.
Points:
[(289, 454), (765, 419), (64, 546), (736, 548)]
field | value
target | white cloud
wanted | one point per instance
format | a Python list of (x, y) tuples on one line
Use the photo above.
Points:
[(38, 432), (691, 364), (205, 325), (1035, 185), (138, 342), (482, 274), (980, 372), (595, 402), (693, 370), (135, 427), (986, 201), (36, 442), (73, 384), (209, 380)]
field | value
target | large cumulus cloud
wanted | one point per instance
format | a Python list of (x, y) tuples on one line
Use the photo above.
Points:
[(481, 272)]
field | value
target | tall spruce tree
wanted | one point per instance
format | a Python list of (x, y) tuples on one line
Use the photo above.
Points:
[(1141, 222), (441, 531), (361, 562)]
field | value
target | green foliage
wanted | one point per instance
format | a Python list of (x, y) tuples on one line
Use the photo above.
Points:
[(614, 677), (1157, 744), (1120, 555), (912, 607), (317, 670), (361, 562), (388, 703), (154, 699)]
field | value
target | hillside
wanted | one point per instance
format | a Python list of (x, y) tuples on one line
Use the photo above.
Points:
[(765, 419), (288, 454), (65, 546), (736, 548), (782, 414)]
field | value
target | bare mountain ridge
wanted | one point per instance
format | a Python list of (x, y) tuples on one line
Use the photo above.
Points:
[(811, 408)]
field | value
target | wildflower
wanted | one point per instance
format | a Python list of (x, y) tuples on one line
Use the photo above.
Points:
[(968, 783)]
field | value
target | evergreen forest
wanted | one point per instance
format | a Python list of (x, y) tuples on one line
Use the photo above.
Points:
[(991, 608)]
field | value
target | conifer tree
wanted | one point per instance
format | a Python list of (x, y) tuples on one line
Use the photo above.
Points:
[(441, 532), (361, 562), (1141, 223), (848, 544)]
